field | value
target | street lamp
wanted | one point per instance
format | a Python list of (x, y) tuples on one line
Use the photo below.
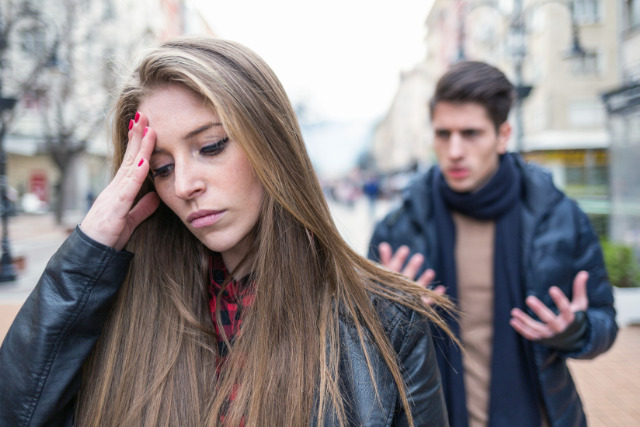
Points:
[(7, 104), (7, 270)]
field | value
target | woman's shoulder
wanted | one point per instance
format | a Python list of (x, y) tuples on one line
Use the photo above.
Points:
[(392, 314), (400, 323)]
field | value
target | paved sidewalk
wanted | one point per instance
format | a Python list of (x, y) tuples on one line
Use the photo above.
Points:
[(36, 238), (609, 385)]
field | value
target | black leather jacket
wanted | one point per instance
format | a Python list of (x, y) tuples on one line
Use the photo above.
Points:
[(557, 242), (42, 354)]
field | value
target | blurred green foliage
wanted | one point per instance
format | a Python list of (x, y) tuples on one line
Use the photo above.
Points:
[(621, 263)]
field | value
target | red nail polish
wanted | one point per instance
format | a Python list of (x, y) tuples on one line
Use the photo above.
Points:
[(130, 124), (141, 162), (137, 117), (145, 132)]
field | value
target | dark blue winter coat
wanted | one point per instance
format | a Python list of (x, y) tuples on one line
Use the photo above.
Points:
[(557, 242)]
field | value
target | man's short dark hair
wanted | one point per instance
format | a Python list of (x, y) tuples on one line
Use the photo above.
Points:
[(477, 82)]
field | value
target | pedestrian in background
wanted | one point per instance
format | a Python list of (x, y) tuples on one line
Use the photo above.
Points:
[(371, 189), (519, 259), (208, 284)]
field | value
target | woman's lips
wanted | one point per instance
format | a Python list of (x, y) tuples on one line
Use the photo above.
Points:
[(204, 218)]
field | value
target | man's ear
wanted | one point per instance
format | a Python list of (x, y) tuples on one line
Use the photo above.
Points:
[(504, 134)]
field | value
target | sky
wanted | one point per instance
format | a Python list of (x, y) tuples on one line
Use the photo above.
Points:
[(342, 58)]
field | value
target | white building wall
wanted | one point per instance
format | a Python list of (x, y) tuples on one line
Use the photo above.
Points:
[(110, 35)]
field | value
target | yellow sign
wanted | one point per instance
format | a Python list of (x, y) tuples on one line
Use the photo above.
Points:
[(584, 158)]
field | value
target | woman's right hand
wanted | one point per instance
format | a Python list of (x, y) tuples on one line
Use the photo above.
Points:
[(112, 217)]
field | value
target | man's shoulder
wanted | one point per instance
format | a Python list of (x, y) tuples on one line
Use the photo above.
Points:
[(543, 200), (539, 189), (416, 198)]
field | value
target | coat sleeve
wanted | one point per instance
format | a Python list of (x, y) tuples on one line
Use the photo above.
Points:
[(419, 367), (55, 330), (396, 229), (381, 233), (601, 324)]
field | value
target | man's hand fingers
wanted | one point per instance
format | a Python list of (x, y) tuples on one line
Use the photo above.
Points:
[(551, 323), (555, 322), (543, 312), (580, 300), (565, 312), (385, 252), (398, 259), (438, 290), (413, 266), (522, 329), (527, 326), (426, 278)]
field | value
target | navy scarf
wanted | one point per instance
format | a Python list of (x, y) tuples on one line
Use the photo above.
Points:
[(513, 392)]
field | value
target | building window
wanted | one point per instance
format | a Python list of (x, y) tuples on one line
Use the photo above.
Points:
[(109, 10), (632, 13), (587, 11), (32, 41), (586, 113), (588, 65)]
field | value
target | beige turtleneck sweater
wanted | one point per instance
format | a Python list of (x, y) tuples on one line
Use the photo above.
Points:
[(474, 268)]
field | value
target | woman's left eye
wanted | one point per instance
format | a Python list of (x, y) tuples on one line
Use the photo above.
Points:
[(215, 148)]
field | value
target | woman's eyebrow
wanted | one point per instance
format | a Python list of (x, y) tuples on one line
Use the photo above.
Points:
[(201, 129), (197, 131)]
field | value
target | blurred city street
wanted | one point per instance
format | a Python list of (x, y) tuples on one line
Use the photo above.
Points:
[(609, 385), (363, 86)]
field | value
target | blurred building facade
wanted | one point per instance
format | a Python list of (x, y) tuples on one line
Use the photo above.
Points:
[(623, 107), (107, 37), (402, 138), (562, 120)]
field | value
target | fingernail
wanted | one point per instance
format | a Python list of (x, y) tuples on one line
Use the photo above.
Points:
[(137, 117), (141, 162), (145, 132), (130, 124)]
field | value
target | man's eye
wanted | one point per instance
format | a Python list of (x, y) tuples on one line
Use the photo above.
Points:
[(442, 134), (161, 172), (471, 133), (213, 149)]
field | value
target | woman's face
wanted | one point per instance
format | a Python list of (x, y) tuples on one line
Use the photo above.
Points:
[(200, 173)]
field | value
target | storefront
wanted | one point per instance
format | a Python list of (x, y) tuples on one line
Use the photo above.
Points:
[(583, 174)]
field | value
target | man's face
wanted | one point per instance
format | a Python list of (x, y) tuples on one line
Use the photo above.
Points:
[(467, 144)]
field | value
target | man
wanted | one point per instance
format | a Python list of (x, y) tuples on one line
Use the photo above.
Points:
[(517, 256)]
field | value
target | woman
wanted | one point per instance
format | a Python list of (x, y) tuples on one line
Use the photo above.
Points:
[(242, 305)]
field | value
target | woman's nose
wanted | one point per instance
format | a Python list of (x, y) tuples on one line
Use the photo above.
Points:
[(188, 181)]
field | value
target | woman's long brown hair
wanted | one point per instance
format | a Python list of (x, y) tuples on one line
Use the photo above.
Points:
[(155, 362)]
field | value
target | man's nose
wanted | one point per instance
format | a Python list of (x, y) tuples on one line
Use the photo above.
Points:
[(456, 146)]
